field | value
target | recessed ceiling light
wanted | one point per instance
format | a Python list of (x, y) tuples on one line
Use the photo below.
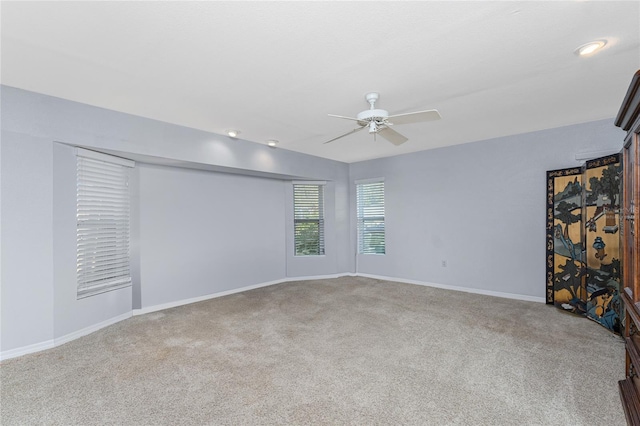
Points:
[(233, 133), (272, 143), (590, 48)]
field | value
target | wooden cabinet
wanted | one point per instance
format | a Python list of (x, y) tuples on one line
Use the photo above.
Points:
[(629, 120)]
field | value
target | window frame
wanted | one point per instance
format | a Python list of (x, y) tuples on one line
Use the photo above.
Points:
[(103, 222), (374, 215), (299, 218)]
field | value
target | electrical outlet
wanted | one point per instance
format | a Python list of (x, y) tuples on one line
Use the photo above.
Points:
[(444, 263)]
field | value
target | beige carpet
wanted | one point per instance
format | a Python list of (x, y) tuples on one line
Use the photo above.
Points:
[(341, 351)]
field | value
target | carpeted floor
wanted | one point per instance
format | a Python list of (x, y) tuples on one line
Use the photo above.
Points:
[(341, 351)]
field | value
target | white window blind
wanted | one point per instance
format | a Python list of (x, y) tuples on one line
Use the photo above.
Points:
[(102, 223), (308, 213), (370, 217)]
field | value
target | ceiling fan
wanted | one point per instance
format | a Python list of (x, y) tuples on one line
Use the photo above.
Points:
[(379, 122)]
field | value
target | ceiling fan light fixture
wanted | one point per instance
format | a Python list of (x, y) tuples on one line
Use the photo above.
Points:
[(378, 121), (272, 143), (233, 133), (590, 48)]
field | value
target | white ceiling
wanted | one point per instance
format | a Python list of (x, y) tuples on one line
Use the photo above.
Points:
[(275, 70)]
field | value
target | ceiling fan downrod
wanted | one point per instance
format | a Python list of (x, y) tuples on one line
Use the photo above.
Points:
[(372, 117), (372, 98), (377, 121)]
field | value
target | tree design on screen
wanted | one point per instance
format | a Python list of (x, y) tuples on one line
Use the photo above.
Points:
[(602, 241), (564, 226), (583, 245)]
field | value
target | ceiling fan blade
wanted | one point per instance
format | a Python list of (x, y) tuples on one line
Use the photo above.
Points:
[(392, 136), (347, 134), (342, 116), (415, 117)]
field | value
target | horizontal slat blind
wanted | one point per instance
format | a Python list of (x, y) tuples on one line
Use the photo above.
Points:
[(370, 218), (308, 213), (103, 209)]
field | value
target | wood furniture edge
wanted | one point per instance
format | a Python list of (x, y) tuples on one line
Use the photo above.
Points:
[(630, 108), (627, 387), (631, 401), (631, 308)]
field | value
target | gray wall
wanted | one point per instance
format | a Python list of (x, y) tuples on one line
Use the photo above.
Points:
[(27, 241), (480, 207), (38, 185), (78, 124), (204, 233)]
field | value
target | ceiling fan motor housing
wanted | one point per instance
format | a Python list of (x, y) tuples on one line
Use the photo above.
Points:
[(373, 118), (377, 120), (378, 116)]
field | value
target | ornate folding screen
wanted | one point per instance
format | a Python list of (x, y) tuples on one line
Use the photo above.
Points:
[(583, 240), (564, 242)]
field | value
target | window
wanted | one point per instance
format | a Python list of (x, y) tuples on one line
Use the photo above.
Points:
[(308, 219), (370, 216), (102, 213)]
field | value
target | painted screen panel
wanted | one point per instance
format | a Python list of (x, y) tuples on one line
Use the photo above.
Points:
[(583, 240), (602, 199), (565, 283)]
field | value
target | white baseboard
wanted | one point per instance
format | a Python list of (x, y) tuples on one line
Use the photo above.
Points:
[(459, 288), (24, 350), (182, 302), (88, 330), (320, 277), (37, 347), (160, 307)]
